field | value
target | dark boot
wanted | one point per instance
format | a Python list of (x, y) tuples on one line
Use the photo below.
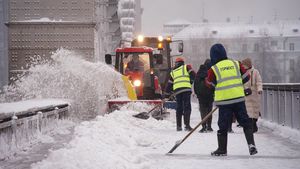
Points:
[(179, 121), (250, 140), (209, 129), (222, 145), (203, 130), (187, 121)]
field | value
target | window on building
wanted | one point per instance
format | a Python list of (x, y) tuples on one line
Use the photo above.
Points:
[(292, 46), (244, 48), (256, 47), (274, 43), (292, 65)]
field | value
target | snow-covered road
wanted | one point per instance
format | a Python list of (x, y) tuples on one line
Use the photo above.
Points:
[(118, 140)]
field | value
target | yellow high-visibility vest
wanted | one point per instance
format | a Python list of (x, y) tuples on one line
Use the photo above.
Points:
[(181, 78), (229, 88)]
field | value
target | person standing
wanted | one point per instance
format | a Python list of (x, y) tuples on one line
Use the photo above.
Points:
[(204, 95), (253, 100), (181, 79), (227, 77)]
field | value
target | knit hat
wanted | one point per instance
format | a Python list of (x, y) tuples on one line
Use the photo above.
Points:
[(179, 59), (247, 62)]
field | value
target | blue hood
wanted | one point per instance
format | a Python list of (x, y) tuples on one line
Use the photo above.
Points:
[(217, 53)]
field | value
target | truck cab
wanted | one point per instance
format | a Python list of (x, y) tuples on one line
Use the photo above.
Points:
[(138, 64)]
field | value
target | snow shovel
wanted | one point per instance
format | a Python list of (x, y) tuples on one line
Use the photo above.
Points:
[(146, 115), (177, 144)]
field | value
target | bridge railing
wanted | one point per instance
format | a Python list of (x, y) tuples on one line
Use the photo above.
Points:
[(281, 104), (19, 129)]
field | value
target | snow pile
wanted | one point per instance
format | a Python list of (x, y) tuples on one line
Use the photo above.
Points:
[(70, 77), (283, 131), (116, 140)]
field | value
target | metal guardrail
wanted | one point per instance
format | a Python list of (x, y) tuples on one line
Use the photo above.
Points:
[(281, 104), (21, 128)]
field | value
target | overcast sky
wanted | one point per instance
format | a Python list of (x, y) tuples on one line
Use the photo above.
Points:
[(158, 12)]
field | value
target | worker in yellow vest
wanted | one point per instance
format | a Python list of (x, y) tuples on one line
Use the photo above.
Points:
[(227, 77), (181, 79)]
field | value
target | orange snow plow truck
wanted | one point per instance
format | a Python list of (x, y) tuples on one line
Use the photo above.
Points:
[(146, 67)]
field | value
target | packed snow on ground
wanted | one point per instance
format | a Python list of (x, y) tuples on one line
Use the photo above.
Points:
[(118, 140)]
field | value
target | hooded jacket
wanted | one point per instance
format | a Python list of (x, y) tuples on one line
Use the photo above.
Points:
[(204, 94), (217, 54)]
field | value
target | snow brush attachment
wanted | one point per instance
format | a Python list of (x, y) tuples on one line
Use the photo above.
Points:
[(159, 115), (179, 142), (146, 115)]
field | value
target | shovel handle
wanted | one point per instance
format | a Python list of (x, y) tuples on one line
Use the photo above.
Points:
[(201, 122)]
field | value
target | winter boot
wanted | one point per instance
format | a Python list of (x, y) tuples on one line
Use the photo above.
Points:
[(203, 130), (250, 140), (222, 145), (179, 122), (252, 149), (187, 122), (188, 128), (209, 129), (179, 128)]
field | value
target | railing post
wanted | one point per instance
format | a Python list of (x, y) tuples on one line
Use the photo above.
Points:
[(40, 120), (14, 129)]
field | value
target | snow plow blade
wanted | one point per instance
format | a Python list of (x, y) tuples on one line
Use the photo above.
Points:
[(158, 111), (116, 104)]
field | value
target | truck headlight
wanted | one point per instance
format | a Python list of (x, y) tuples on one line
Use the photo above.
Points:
[(137, 83)]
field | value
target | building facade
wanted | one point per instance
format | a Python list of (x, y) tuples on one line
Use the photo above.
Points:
[(36, 28), (3, 45), (273, 47)]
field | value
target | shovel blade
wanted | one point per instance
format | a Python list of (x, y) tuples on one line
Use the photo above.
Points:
[(175, 146), (143, 115)]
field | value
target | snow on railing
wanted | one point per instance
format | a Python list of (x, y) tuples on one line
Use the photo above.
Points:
[(19, 129), (281, 104)]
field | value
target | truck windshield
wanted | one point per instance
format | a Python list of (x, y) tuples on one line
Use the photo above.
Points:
[(136, 62)]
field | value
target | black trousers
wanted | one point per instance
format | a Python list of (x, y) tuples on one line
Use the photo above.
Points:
[(240, 112), (205, 108), (184, 108)]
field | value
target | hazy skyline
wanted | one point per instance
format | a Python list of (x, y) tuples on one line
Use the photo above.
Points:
[(158, 12)]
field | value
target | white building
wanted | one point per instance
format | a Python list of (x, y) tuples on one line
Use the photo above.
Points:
[(175, 26), (273, 47)]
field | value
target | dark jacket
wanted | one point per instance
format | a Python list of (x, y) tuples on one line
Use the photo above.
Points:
[(169, 87), (204, 93)]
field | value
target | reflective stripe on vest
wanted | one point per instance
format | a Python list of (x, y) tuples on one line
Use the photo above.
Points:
[(229, 82), (181, 78)]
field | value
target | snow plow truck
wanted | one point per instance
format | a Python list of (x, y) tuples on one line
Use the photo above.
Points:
[(146, 67)]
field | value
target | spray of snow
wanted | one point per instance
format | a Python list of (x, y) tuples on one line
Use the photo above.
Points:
[(68, 76)]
